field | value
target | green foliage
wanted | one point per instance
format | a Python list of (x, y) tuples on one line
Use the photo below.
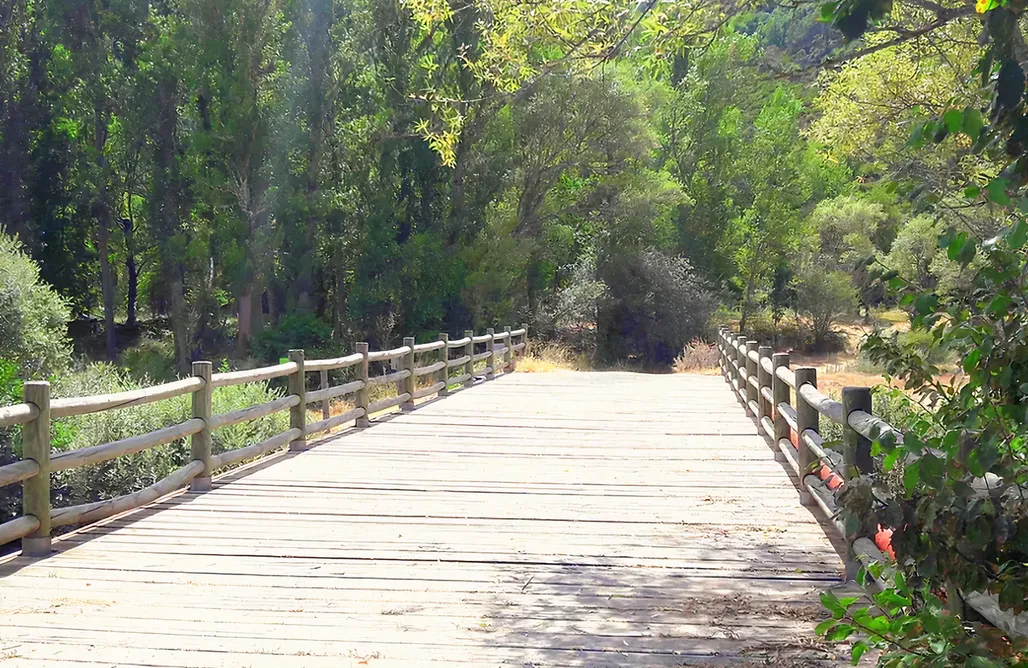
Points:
[(655, 305), (33, 318), (151, 359), (823, 298), (296, 331), (126, 474)]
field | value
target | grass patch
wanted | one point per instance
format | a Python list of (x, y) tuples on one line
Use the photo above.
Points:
[(697, 357), (550, 357)]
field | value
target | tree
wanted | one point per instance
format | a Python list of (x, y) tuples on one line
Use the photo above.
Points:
[(823, 297)]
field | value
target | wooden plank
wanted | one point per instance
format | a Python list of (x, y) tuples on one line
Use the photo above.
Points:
[(564, 519)]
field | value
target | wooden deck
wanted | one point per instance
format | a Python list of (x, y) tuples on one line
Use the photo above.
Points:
[(566, 519)]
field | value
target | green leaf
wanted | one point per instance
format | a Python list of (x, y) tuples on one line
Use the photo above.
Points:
[(967, 252), (972, 192), (831, 603), (840, 632), (910, 476), (971, 360), (823, 627), (890, 460), (999, 305), (996, 191), (1018, 234), (858, 650), (954, 120), (972, 123)]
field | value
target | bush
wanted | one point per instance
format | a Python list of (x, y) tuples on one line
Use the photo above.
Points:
[(697, 356), (824, 297), (151, 359), (33, 318), (127, 474), (654, 304), (298, 330)]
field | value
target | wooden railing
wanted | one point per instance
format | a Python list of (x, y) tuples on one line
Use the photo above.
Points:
[(788, 408), (453, 365)]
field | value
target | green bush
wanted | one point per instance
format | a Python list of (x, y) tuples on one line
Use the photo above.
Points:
[(300, 330), (152, 359), (127, 474), (33, 318)]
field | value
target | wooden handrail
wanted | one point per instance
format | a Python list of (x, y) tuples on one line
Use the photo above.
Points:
[(253, 412), (17, 414), (333, 363), (35, 413), (253, 375), (93, 404), (386, 355)]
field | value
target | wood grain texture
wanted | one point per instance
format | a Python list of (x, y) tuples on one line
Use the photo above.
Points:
[(565, 519)]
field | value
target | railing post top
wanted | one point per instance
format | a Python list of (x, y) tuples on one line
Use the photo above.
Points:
[(202, 368), (764, 351), (490, 331), (444, 337), (469, 332), (408, 340), (361, 347), (780, 359), (752, 343), (804, 375), (296, 354), (855, 398), (36, 386)]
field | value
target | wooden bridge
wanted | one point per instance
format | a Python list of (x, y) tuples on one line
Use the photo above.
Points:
[(564, 519)]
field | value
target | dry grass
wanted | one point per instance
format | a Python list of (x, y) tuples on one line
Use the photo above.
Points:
[(550, 357), (697, 357)]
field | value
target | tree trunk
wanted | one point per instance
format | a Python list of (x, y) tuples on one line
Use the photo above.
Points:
[(107, 282), (245, 317), (102, 210), (180, 326), (131, 269), (747, 299)]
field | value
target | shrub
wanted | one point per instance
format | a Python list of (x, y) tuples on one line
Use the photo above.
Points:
[(551, 356), (126, 474), (33, 318), (824, 297), (697, 356), (152, 359), (298, 330), (654, 304)]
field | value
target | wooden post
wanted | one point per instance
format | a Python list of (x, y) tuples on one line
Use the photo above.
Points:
[(740, 360), (524, 338), (444, 375), (490, 362), (362, 394), (751, 372), (780, 392), (298, 413), (721, 351), (35, 445), (856, 448), (469, 352), (856, 459), (326, 408), (408, 382), (807, 417), (200, 442), (507, 363), (763, 380)]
